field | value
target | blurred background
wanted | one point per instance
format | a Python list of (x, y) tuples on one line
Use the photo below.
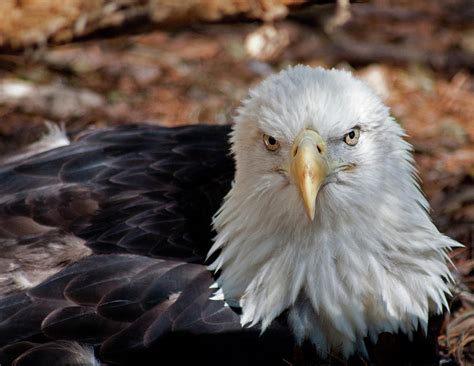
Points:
[(94, 63)]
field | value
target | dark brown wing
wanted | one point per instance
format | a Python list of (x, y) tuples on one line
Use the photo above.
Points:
[(131, 307), (136, 189), (112, 231), (162, 197), (156, 188)]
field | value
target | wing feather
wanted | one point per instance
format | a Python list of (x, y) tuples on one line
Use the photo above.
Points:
[(135, 189), (139, 201), (159, 297)]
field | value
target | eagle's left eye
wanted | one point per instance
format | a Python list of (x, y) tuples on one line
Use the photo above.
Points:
[(352, 137), (271, 143)]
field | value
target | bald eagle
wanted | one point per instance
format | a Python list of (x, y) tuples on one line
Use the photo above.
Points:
[(303, 223)]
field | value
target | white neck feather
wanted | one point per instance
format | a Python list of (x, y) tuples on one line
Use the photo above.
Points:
[(359, 269)]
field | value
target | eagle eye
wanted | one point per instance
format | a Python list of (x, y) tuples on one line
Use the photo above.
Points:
[(271, 143), (352, 137)]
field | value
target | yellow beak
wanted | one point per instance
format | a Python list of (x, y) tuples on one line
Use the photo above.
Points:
[(309, 167)]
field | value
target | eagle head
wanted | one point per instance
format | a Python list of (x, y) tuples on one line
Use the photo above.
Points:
[(325, 218)]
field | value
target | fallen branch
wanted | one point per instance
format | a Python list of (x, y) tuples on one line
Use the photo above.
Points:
[(42, 22)]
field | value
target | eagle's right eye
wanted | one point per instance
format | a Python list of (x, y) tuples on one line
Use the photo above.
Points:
[(271, 143)]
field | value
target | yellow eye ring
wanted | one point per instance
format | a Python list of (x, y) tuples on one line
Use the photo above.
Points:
[(352, 137), (271, 143)]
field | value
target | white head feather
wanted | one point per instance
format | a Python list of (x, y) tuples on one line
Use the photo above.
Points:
[(371, 261)]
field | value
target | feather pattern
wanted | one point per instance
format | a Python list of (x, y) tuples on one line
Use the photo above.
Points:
[(139, 190), (110, 234)]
